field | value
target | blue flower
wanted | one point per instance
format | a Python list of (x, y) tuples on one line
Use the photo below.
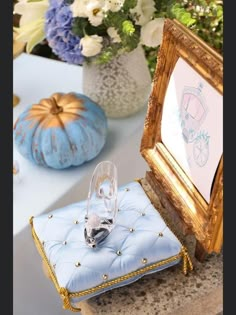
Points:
[(59, 34)]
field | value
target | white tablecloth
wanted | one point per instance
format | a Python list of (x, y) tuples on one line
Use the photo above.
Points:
[(41, 189)]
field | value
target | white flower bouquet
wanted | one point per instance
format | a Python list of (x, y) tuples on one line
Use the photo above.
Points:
[(89, 30)]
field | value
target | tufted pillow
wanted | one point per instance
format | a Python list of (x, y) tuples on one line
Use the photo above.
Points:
[(139, 244)]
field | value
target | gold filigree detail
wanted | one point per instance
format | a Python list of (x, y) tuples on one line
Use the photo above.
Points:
[(198, 53)]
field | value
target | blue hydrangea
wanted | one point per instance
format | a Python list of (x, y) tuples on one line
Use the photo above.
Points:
[(58, 32)]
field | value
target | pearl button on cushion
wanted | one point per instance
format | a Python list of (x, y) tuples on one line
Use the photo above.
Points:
[(105, 277), (144, 260)]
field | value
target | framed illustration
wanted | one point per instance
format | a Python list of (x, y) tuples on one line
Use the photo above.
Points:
[(183, 132)]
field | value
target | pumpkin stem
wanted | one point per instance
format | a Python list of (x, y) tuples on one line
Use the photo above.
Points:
[(55, 108)]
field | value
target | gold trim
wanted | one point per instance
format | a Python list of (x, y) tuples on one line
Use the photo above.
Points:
[(66, 295), (127, 276)]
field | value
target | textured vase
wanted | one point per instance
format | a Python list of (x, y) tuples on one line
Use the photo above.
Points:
[(122, 86)]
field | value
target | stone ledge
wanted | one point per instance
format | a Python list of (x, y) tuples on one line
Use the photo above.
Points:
[(209, 304)]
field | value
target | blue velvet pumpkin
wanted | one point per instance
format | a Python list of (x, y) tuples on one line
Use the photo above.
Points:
[(61, 131)]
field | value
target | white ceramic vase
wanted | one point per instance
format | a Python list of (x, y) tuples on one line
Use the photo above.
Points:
[(122, 86)]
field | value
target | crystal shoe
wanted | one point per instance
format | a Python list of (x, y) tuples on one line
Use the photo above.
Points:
[(101, 204)]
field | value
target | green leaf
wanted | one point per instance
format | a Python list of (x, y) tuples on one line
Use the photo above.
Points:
[(219, 11), (104, 57), (82, 27), (162, 6), (186, 19), (107, 53), (130, 42), (79, 25), (175, 8), (129, 4), (115, 19), (69, 2)]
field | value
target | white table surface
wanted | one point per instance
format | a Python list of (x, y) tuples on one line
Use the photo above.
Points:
[(42, 189)]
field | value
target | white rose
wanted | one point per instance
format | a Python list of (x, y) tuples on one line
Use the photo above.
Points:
[(95, 12), (91, 45), (92, 9), (30, 11), (113, 5), (151, 33), (112, 32), (78, 8), (143, 11)]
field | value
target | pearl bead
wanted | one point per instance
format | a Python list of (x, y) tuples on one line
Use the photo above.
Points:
[(144, 260), (105, 277)]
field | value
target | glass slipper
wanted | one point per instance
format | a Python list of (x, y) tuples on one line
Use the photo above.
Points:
[(101, 204)]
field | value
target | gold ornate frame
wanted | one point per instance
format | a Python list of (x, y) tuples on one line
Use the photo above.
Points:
[(204, 219)]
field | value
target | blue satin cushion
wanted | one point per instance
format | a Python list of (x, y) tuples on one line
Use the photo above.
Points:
[(139, 244)]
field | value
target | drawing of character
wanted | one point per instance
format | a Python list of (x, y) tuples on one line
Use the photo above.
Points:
[(193, 111)]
